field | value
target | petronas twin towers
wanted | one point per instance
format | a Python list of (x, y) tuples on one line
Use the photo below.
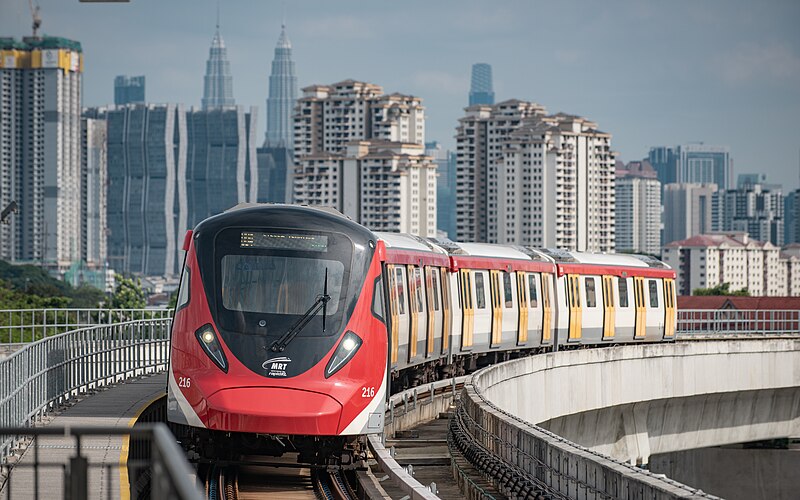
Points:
[(218, 87)]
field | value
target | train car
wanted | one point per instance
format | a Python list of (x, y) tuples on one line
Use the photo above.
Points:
[(279, 341), (294, 324), (618, 298)]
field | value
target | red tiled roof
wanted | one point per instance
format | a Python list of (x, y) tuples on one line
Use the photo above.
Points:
[(739, 303)]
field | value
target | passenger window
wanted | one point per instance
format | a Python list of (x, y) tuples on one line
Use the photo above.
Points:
[(377, 298), (435, 288), (401, 295), (653, 293), (418, 289), (591, 298), (479, 292), (623, 292), (532, 286), (507, 288)]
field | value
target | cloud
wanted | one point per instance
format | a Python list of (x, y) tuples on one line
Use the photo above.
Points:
[(749, 62)]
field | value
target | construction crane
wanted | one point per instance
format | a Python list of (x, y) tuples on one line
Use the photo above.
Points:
[(37, 19)]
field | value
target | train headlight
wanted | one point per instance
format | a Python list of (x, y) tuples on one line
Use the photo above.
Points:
[(346, 350), (208, 341)]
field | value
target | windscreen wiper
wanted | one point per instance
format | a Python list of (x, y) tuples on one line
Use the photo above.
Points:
[(321, 303)]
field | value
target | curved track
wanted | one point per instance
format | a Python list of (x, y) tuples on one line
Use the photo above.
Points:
[(282, 478)]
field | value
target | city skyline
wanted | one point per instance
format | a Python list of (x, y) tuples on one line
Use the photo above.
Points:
[(729, 74)]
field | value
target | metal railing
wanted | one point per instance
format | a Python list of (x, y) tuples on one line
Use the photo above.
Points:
[(733, 321), (159, 470), (44, 374), (29, 325)]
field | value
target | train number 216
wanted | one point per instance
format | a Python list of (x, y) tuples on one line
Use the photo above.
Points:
[(367, 392)]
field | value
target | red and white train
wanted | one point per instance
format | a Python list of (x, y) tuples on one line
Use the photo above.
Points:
[(294, 324)]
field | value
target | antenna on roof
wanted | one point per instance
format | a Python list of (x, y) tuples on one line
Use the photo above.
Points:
[(37, 19)]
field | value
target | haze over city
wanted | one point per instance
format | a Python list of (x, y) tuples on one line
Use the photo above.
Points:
[(650, 73)]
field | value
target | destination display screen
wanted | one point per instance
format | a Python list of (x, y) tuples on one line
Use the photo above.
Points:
[(279, 241)]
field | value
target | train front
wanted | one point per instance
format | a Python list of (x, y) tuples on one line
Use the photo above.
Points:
[(278, 342)]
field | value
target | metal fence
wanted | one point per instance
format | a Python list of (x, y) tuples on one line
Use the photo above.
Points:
[(46, 373), (28, 325), (159, 470), (733, 321)]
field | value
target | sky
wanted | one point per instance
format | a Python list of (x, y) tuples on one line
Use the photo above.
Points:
[(651, 73)]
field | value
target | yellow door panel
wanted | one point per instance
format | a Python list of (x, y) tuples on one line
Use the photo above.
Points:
[(641, 311), (522, 308), (497, 311), (447, 318), (546, 311), (467, 308), (609, 312), (413, 308), (431, 311), (393, 312), (575, 310)]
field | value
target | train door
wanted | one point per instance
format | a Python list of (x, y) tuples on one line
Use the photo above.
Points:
[(625, 311), (467, 309), (398, 311), (574, 304), (523, 310), (416, 306), (497, 308), (669, 309), (509, 298), (609, 312), (547, 308), (641, 312), (434, 303), (447, 311), (654, 301)]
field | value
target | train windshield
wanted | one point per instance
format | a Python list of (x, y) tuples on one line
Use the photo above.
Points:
[(276, 284), (268, 279)]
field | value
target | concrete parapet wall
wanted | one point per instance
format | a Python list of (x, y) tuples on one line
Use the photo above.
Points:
[(540, 388)]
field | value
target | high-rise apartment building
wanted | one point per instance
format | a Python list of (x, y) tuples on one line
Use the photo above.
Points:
[(527, 178), (147, 216), (218, 82), (282, 96), (754, 207), (695, 163), (708, 260), (480, 137), (221, 163), (94, 192), (481, 90), (354, 145), (40, 157), (688, 210), (638, 209), (129, 90)]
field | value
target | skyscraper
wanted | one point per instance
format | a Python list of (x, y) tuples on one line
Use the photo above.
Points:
[(480, 90), (693, 163), (129, 90), (755, 207), (218, 82), (94, 171), (688, 210), (147, 210), (40, 157), (445, 187), (220, 161), (638, 209), (282, 95)]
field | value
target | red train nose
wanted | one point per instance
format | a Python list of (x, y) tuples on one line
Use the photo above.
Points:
[(273, 410)]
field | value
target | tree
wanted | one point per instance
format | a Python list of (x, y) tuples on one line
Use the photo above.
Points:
[(721, 289), (128, 295)]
